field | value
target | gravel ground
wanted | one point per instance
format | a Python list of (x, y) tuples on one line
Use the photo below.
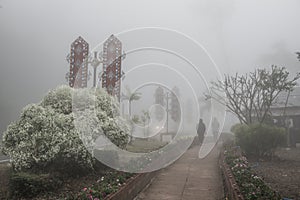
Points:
[(282, 173)]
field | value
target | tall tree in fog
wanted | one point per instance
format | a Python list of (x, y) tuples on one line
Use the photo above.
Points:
[(189, 110), (145, 118), (175, 106), (216, 12), (159, 98), (251, 95), (280, 55)]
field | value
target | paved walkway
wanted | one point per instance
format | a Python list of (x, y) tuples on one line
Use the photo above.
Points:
[(189, 178)]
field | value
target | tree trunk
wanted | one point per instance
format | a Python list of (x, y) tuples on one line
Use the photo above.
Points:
[(130, 109)]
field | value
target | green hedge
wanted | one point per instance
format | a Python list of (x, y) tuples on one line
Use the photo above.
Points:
[(259, 139), (30, 185)]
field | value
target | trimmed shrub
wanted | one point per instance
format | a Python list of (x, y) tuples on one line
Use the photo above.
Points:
[(259, 139)]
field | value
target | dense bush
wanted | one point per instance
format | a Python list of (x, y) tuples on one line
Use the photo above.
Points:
[(259, 139), (30, 185), (45, 137), (238, 128), (59, 99)]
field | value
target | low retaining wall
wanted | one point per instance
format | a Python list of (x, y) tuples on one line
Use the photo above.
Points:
[(231, 188), (133, 187)]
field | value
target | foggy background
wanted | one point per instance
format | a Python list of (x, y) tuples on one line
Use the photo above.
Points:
[(35, 37)]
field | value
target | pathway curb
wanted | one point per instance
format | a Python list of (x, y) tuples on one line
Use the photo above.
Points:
[(133, 187), (231, 189)]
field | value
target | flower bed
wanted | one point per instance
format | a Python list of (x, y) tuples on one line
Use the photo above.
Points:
[(106, 185), (113, 186), (246, 184), (231, 189), (110, 185)]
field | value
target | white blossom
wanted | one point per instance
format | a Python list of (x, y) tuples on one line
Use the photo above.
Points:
[(46, 131)]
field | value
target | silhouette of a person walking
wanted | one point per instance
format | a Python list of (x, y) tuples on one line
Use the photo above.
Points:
[(201, 128)]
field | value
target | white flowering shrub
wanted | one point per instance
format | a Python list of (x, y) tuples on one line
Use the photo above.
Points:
[(106, 103), (45, 137), (59, 99)]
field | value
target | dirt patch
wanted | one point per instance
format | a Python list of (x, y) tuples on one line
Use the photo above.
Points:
[(281, 173)]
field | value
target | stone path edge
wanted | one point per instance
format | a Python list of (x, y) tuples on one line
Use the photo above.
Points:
[(133, 187)]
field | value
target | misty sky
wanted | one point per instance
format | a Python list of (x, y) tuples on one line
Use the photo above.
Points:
[(35, 37)]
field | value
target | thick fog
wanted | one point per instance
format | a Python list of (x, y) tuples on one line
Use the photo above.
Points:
[(35, 38)]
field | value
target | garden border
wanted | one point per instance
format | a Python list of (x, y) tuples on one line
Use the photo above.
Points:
[(232, 190), (133, 187)]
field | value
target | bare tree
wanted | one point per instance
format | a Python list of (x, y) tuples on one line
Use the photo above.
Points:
[(189, 110), (250, 96)]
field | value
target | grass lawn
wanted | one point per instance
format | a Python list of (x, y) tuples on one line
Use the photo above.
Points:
[(144, 145)]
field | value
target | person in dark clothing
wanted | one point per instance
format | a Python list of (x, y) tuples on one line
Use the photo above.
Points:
[(201, 130)]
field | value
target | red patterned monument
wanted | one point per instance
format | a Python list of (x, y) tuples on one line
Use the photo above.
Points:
[(78, 66), (112, 59)]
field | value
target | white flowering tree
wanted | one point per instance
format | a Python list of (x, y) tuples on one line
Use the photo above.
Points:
[(45, 137)]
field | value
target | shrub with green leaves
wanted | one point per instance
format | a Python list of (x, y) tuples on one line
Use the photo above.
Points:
[(259, 139), (30, 185), (45, 137)]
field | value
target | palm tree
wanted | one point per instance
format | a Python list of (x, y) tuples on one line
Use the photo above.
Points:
[(131, 96)]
